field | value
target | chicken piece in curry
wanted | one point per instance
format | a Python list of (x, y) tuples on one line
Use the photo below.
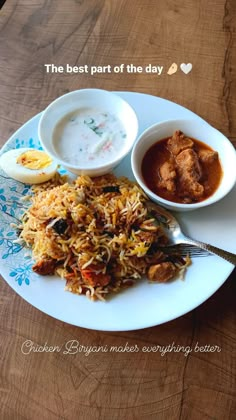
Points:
[(182, 169)]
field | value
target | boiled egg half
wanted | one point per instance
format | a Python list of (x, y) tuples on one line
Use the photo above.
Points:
[(29, 166)]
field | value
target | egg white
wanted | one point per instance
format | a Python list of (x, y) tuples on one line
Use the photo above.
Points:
[(8, 163)]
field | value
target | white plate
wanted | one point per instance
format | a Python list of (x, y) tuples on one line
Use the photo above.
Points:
[(143, 305)]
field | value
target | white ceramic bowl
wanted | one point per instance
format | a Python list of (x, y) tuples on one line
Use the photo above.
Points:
[(200, 130), (88, 98)]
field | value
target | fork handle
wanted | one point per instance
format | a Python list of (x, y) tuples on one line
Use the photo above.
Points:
[(228, 256)]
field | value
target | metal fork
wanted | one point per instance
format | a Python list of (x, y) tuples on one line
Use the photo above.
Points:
[(185, 249), (177, 237)]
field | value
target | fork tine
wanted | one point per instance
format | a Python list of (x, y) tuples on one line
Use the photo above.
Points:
[(185, 249)]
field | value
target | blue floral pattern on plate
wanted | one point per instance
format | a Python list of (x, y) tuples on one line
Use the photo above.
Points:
[(13, 253), (11, 209), (22, 273)]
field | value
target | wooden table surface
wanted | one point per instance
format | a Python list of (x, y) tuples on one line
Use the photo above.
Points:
[(101, 33)]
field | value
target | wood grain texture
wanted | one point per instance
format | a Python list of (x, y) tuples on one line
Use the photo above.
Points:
[(138, 385)]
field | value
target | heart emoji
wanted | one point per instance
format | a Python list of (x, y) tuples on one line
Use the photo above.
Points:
[(186, 68), (173, 69)]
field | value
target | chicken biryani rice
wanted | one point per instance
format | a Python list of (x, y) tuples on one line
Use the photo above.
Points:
[(97, 234)]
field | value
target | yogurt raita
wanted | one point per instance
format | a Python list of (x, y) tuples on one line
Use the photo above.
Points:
[(89, 137)]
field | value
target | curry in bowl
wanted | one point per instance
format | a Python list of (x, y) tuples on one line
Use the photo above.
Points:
[(182, 169)]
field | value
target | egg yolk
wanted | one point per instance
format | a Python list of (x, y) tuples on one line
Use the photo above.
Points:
[(34, 159)]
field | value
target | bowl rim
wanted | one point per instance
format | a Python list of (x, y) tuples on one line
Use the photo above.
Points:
[(108, 163), (179, 206)]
